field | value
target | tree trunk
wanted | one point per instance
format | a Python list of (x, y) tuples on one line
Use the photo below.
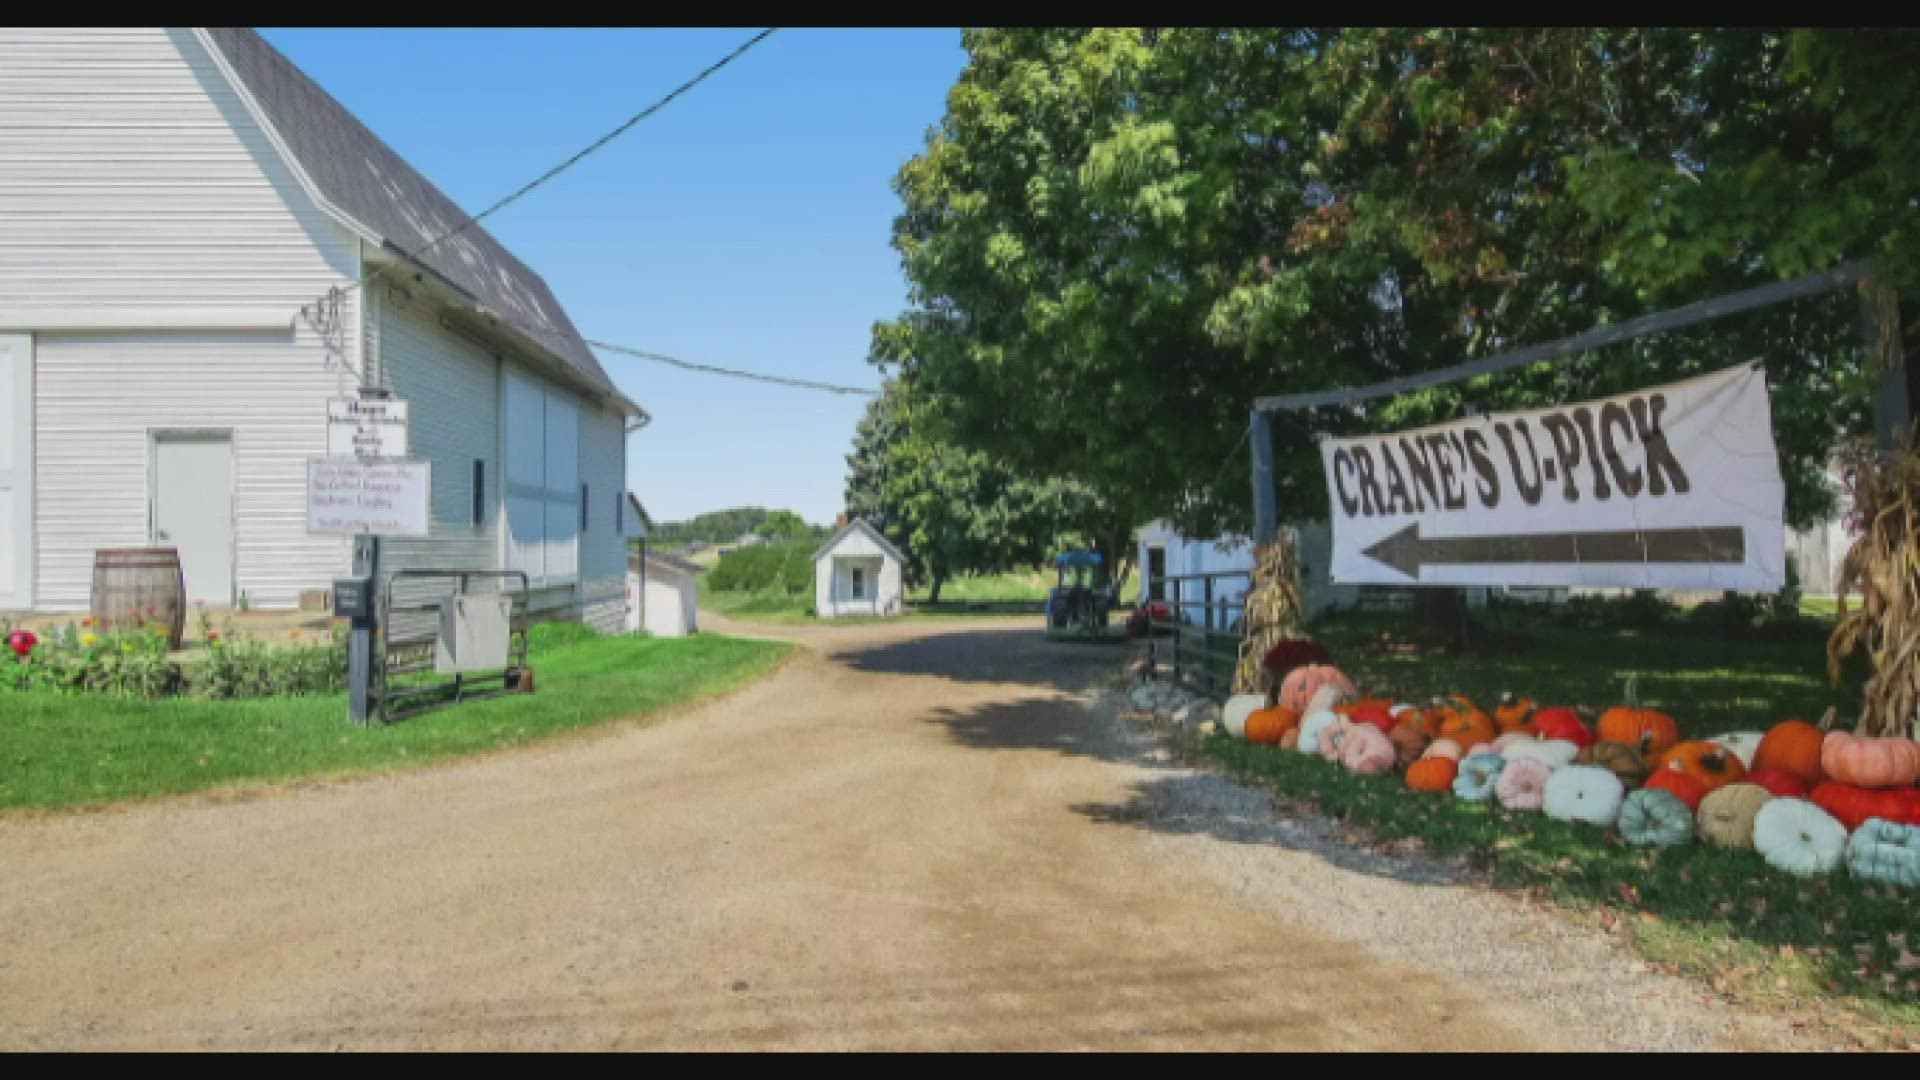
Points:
[(1444, 611), (933, 594)]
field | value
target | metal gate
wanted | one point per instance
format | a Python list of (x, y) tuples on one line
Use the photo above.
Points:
[(1197, 628), (404, 680)]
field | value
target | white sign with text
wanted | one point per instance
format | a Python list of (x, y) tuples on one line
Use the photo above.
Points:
[(1677, 486), (361, 498), (366, 428)]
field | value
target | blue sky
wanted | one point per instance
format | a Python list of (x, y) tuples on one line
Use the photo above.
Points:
[(746, 224)]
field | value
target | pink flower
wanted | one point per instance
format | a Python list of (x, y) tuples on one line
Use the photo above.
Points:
[(22, 642)]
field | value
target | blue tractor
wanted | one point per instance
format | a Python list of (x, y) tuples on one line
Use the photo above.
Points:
[(1078, 605)]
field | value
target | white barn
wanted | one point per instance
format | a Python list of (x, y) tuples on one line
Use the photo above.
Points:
[(173, 199), (857, 572), (665, 594)]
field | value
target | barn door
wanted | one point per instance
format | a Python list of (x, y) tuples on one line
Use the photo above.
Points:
[(16, 472), (193, 510)]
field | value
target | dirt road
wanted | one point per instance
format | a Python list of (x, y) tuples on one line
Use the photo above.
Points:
[(913, 836)]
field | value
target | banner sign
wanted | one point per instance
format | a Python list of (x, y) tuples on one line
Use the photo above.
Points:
[(358, 498), (1673, 487)]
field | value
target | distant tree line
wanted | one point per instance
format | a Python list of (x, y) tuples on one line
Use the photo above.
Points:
[(726, 526)]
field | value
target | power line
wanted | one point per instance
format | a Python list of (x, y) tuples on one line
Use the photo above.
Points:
[(710, 369), (575, 159)]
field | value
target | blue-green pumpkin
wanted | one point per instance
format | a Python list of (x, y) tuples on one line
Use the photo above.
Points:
[(1652, 817), (1885, 851), (1479, 772)]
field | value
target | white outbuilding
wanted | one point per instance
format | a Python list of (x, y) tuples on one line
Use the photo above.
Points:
[(857, 572), (665, 594)]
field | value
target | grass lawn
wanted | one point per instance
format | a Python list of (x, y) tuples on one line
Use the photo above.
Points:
[(67, 750), (1722, 915), (1015, 585)]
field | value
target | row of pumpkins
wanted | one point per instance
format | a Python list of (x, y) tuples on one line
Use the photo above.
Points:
[(1804, 798)]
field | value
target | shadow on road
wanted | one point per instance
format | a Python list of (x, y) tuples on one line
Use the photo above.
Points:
[(1021, 655)]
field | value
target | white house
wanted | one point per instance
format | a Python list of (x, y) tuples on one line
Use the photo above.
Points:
[(857, 572), (170, 202), (1164, 553)]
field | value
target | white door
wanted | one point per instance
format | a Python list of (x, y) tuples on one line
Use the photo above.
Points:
[(193, 511), (16, 472)]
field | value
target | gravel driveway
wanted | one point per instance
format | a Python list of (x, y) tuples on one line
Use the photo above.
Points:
[(917, 835)]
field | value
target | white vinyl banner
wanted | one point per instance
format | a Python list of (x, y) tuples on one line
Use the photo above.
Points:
[(1672, 487)]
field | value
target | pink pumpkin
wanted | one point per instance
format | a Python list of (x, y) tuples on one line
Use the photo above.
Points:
[(1522, 784), (1870, 761), (1333, 737), (1297, 690), (1560, 722), (1446, 748), (1367, 750)]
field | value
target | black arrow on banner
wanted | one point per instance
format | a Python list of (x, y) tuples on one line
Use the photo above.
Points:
[(1407, 551)]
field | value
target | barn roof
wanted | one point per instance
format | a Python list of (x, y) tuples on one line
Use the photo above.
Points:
[(860, 525), (363, 178)]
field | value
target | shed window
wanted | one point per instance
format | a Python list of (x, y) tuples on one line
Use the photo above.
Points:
[(542, 478), (859, 583)]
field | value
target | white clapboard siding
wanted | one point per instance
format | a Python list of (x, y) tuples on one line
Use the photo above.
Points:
[(603, 551), (137, 192), (100, 396)]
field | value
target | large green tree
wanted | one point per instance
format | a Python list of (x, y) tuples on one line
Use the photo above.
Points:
[(1118, 237)]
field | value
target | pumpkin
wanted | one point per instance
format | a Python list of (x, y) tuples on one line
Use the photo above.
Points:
[(1373, 713), (1741, 744), (1298, 688), (1654, 818), (1553, 753), (1852, 805), (1433, 716), (1778, 782), (1630, 724), (1291, 740), (1683, 786), (1511, 714), (1870, 761), (1266, 726), (1409, 740), (1621, 759), (1798, 837), (1432, 774), (1522, 784), (1443, 748), (1334, 738), (1367, 750), (1792, 747), (1467, 726), (1562, 723), (1885, 851), (1325, 698), (1586, 793), (1479, 772), (1711, 764), (1311, 725), (1726, 815), (1233, 715)]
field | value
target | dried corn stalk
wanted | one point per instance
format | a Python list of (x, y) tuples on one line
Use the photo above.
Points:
[(1274, 611), (1884, 565)]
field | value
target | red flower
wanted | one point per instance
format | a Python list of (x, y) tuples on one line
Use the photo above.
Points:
[(87, 622), (22, 642), (213, 635)]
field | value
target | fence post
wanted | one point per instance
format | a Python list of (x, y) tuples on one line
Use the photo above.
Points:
[(1266, 512)]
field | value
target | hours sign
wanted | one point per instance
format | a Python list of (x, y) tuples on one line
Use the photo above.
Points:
[(1673, 487)]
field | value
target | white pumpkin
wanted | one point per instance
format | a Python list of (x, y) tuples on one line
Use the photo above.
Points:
[(1586, 793), (1511, 738), (1326, 697), (1553, 753), (1741, 744), (1312, 725), (1796, 836), (1233, 715)]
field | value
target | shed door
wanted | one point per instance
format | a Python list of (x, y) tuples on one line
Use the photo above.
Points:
[(193, 511), (16, 471)]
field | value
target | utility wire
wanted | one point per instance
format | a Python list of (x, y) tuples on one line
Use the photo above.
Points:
[(710, 369)]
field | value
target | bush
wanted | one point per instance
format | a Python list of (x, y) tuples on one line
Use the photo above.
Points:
[(76, 659), (776, 569)]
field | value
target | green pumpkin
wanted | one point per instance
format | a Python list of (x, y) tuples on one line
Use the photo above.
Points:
[(1652, 817), (1885, 851)]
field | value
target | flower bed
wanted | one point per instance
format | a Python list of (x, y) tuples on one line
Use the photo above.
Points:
[(78, 658)]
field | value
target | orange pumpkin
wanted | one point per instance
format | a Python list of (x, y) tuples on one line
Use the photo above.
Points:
[(1793, 747), (1710, 763), (1870, 761), (1432, 717), (1467, 725), (1267, 726), (1513, 715), (1629, 724), (1432, 774)]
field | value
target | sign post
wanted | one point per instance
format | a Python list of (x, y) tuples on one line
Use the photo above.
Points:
[(365, 488)]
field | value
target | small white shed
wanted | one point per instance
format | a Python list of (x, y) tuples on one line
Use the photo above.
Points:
[(857, 572), (663, 595)]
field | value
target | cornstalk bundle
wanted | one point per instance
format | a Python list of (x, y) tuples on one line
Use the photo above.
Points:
[(1884, 565), (1274, 611)]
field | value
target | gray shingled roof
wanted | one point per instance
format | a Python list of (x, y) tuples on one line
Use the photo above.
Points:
[(860, 524), (365, 179)]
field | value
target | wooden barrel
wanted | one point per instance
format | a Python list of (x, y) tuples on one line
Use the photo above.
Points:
[(136, 586)]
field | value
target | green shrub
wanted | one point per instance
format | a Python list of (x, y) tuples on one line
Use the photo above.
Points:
[(776, 569), (237, 666), (553, 635)]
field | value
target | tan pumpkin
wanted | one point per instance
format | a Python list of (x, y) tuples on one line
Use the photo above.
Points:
[(1726, 816), (1410, 740), (1870, 761), (1793, 747), (1626, 762)]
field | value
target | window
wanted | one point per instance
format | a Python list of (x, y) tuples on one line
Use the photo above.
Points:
[(583, 509), (859, 583), (1156, 573), (479, 492), (542, 478), (619, 515)]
